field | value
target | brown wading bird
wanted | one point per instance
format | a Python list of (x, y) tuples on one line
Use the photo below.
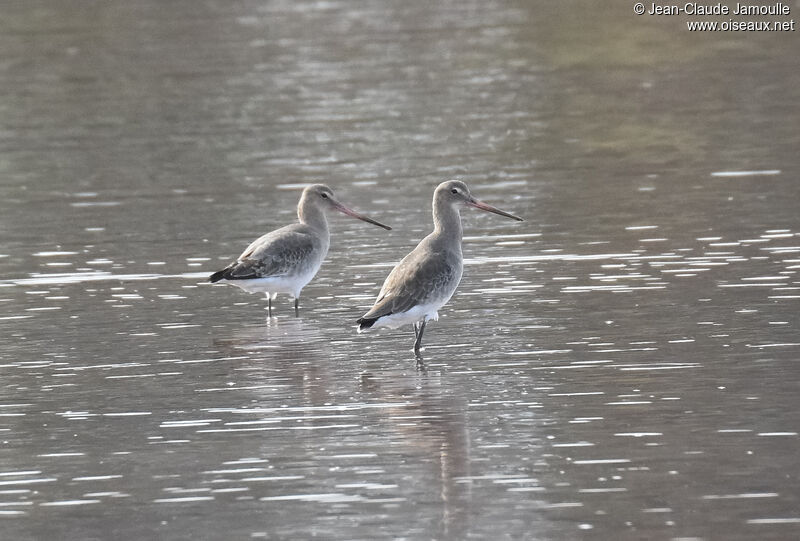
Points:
[(426, 278), (285, 260)]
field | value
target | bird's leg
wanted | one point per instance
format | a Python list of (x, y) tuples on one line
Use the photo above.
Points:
[(418, 342), (269, 306), (420, 364), (296, 307)]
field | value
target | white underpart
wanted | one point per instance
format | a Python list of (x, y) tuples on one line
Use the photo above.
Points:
[(415, 315), (273, 285)]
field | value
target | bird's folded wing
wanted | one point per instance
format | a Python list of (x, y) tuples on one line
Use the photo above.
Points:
[(273, 255), (415, 281)]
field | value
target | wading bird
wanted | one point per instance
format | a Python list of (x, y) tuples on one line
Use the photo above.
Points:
[(427, 277), (285, 260)]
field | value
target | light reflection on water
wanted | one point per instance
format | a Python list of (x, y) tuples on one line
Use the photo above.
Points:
[(625, 364), (546, 415)]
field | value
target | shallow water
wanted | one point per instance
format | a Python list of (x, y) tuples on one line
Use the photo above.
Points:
[(621, 365)]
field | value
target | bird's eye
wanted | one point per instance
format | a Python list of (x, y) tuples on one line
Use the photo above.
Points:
[(454, 190), (324, 195)]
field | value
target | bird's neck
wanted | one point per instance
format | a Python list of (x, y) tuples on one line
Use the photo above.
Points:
[(312, 215), (447, 223)]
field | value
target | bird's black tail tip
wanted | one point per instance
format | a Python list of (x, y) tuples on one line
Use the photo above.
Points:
[(365, 323), (217, 276)]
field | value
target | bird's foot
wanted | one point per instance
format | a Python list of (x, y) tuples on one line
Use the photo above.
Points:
[(420, 363)]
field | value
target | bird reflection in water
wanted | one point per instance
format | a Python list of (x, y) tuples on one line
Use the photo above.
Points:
[(433, 425), (287, 351)]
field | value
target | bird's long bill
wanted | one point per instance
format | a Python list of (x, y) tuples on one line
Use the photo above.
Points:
[(483, 206), (354, 214)]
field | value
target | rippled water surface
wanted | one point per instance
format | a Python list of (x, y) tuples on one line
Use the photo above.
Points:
[(624, 364)]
